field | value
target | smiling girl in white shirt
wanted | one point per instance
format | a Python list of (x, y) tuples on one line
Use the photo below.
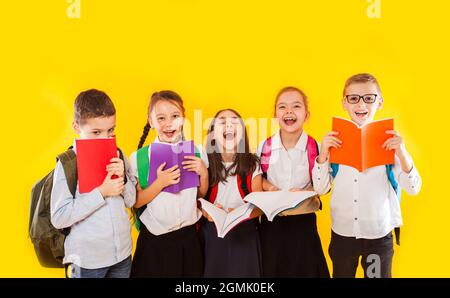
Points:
[(168, 243), (291, 245)]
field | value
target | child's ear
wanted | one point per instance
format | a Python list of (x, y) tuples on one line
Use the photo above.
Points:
[(76, 127), (344, 104), (307, 116), (380, 103), (149, 120)]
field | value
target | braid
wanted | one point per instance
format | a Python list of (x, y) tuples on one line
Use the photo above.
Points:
[(144, 135)]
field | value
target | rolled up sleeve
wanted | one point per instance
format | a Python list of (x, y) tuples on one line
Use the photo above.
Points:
[(321, 177)]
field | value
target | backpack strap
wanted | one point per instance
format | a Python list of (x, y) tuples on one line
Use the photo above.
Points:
[(334, 169), (265, 156), (122, 157), (391, 177), (244, 184), (197, 152), (312, 149), (143, 164), (211, 195), (68, 160)]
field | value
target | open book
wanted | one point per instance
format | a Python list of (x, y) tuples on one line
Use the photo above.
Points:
[(225, 221), (361, 146), (93, 155), (173, 154), (274, 202)]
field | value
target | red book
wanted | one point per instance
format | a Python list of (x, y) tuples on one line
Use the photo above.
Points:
[(362, 146), (93, 155)]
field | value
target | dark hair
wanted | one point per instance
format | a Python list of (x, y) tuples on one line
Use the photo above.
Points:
[(167, 95), (92, 103), (244, 162), (362, 78), (293, 89)]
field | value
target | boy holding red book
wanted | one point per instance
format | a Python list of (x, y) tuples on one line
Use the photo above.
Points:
[(99, 243)]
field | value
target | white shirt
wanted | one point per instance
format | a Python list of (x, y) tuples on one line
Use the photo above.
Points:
[(100, 230), (364, 205), (168, 212), (288, 168), (228, 194)]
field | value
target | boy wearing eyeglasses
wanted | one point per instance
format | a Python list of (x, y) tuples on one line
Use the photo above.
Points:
[(364, 206)]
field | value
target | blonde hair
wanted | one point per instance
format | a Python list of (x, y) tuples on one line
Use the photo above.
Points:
[(362, 78)]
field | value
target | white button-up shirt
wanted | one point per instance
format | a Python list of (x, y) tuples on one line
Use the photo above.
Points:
[(100, 229), (364, 204), (288, 168), (168, 212), (228, 194)]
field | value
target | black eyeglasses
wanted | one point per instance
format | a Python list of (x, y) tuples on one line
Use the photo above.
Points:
[(355, 98)]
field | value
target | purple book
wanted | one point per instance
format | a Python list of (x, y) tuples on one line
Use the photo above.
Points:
[(173, 154)]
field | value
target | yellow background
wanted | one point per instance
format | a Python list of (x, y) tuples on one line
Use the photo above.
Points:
[(223, 53)]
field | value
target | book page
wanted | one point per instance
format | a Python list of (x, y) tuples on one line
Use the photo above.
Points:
[(218, 215), (274, 202), (350, 153), (373, 137), (235, 217)]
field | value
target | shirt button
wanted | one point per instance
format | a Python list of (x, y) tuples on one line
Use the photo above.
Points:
[(356, 218), (318, 178), (318, 168), (356, 180), (355, 201)]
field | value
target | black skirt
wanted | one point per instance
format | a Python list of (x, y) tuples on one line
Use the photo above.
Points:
[(175, 254), (291, 247), (236, 255)]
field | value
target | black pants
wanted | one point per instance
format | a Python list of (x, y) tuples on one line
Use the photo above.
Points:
[(376, 256)]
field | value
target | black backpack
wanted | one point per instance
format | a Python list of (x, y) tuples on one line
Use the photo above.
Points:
[(47, 240)]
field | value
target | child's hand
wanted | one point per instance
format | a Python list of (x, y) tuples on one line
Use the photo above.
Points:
[(328, 141), (308, 188), (394, 143), (206, 215), (168, 177), (295, 189), (273, 188), (195, 164), (116, 167), (111, 187)]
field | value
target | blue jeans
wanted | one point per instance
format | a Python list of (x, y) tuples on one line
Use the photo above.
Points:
[(119, 270)]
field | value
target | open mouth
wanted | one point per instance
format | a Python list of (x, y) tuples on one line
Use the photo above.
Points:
[(361, 114), (169, 133), (290, 120), (229, 135)]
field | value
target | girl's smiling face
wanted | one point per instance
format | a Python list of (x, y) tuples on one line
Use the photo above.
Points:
[(167, 119), (362, 113), (228, 131), (291, 111)]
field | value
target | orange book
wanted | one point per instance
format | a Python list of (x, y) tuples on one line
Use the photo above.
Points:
[(361, 146)]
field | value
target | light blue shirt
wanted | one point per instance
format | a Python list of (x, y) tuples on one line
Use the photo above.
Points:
[(100, 234)]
